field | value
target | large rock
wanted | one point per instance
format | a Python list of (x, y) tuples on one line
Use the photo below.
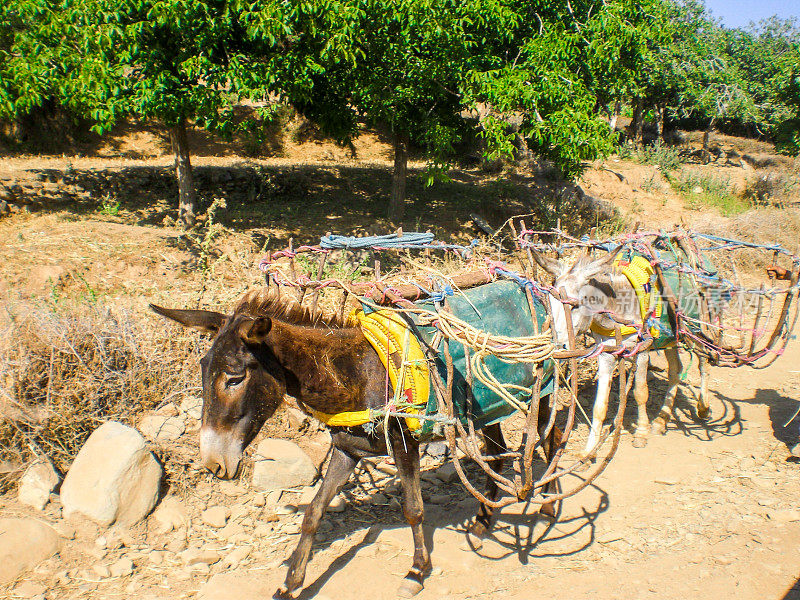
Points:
[(24, 543), (281, 464), (37, 483), (114, 478)]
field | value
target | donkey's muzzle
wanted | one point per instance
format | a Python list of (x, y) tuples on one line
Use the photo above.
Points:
[(221, 454)]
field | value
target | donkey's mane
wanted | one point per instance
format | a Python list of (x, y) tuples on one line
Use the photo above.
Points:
[(267, 302)]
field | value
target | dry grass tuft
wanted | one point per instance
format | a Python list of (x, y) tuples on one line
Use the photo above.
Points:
[(65, 370)]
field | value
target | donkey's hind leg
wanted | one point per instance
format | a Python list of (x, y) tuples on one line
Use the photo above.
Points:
[(339, 470), (641, 394), (495, 444), (703, 407), (406, 456), (673, 380)]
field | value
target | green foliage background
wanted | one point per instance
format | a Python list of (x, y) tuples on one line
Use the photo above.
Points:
[(420, 68)]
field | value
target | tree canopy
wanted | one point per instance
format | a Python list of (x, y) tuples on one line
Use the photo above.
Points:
[(555, 74)]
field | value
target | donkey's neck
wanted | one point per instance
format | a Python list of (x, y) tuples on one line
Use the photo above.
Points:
[(328, 370)]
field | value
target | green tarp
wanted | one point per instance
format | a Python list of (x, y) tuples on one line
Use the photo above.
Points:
[(499, 308)]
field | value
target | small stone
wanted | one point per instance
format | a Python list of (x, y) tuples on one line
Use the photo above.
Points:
[(98, 553), (439, 499), (24, 543), (192, 407), (168, 410), (697, 190), (200, 568), (171, 514), (297, 418), (162, 428), (29, 589), (286, 509), (237, 511), (177, 543), (122, 568), (308, 495), (216, 516), (337, 505), (281, 464), (259, 500), (437, 449), (393, 488), (231, 488), (379, 499), (447, 473), (157, 557), (784, 515), (291, 529), (236, 556), (101, 542), (194, 556), (65, 530), (230, 531), (36, 484), (101, 571)]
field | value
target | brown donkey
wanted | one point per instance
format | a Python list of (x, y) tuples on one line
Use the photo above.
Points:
[(266, 349)]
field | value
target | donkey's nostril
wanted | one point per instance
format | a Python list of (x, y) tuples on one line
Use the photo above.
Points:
[(217, 468)]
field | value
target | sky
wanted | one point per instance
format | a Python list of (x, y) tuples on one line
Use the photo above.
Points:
[(739, 13)]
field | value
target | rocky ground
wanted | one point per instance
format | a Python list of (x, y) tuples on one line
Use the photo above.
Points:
[(705, 510)]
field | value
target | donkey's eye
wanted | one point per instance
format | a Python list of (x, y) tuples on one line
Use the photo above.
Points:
[(234, 380)]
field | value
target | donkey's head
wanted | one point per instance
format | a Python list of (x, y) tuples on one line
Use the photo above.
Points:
[(243, 383), (579, 288)]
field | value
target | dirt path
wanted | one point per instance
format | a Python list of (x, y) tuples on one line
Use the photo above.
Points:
[(701, 512)]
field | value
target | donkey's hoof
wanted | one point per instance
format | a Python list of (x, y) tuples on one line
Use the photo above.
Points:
[(548, 511), (409, 588), (474, 541), (639, 441), (282, 593), (659, 426), (704, 414)]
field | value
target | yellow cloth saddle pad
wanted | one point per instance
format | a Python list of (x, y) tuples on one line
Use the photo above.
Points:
[(404, 359), (641, 275)]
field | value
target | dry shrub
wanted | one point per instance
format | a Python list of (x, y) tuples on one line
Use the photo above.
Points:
[(773, 188), (66, 370)]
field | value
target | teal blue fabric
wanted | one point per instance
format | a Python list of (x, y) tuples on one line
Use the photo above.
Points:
[(674, 264), (500, 308)]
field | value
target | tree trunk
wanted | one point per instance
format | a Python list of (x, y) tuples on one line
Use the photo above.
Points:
[(660, 110), (397, 201), (707, 134), (187, 202), (637, 124), (615, 115)]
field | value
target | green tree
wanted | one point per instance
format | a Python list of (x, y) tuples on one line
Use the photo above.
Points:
[(172, 60)]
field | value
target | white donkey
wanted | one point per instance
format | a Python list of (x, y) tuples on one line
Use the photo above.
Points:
[(600, 289)]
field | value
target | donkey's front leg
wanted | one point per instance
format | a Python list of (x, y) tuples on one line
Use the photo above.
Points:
[(605, 371), (339, 469), (406, 457)]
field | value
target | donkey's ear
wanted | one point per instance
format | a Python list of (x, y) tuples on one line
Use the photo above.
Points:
[(254, 331), (552, 265), (205, 321), (601, 265)]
